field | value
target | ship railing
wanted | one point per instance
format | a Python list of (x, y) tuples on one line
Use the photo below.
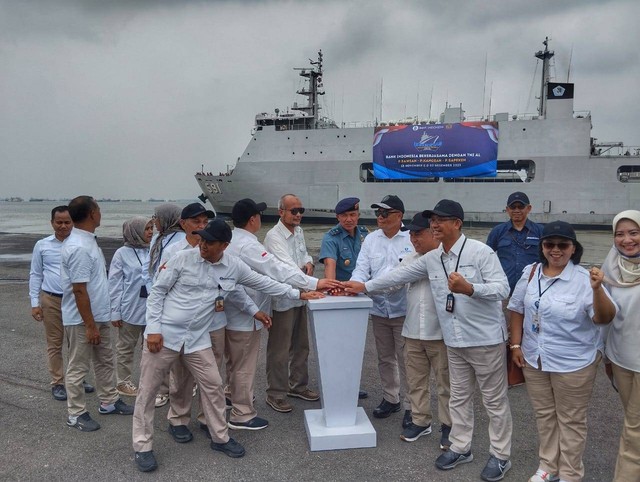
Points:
[(610, 149)]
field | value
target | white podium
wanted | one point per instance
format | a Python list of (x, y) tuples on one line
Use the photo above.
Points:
[(339, 330)]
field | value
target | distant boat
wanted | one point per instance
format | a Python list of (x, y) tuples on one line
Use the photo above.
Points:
[(14, 199), (36, 199), (108, 200), (133, 200), (153, 200)]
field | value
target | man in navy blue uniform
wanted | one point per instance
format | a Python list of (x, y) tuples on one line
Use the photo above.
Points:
[(341, 245)]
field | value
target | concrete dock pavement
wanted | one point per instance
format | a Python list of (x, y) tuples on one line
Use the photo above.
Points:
[(35, 442)]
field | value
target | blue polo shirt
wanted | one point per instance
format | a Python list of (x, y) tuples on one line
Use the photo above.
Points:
[(515, 249), (338, 245)]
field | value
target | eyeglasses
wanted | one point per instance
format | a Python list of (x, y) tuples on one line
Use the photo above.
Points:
[(295, 211), (562, 245), (517, 206), (384, 212), (154, 217), (440, 220)]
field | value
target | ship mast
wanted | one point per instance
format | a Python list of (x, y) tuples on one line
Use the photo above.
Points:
[(312, 90), (544, 55)]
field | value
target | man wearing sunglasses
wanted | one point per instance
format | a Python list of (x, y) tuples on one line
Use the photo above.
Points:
[(288, 344), (382, 251)]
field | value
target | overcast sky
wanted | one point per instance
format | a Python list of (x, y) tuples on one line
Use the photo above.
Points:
[(127, 99)]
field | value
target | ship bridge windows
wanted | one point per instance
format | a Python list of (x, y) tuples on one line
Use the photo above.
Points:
[(522, 170), (629, 173)]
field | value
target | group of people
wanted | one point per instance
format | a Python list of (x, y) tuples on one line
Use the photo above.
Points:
[(200, 293)]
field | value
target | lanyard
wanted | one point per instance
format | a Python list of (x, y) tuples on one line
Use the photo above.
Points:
[(518, 243), (540, 292), (136, 253), (457, 262)]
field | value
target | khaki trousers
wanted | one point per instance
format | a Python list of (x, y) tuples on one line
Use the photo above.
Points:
[(560, 402), (81, 355), (487, 366), (421, 356), (628, 463), (128, 337), (287, 352), (182, 381), (153, 368), (391, 366), (242, 348), (54, 333)]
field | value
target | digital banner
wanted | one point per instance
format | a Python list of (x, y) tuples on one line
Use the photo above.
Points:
[(435, 150)]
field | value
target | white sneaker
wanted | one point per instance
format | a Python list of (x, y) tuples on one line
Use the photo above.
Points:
[(542, 476), (161, 399), (127, 388)]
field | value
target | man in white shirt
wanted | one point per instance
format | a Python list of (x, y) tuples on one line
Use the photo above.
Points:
[(288, 345), (183, 301), (86, 312), (46, 294), (380, 253), (242, 333)]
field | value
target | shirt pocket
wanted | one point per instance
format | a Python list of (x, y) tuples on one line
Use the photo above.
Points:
[(227, 286), (567, 305), (469, 272), (377, 262), (189, 280)]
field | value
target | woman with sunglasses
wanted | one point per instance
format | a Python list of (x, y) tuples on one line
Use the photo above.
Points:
[(556, 307), (622, 277)]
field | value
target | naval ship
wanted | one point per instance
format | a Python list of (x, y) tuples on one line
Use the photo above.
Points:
[(551, 156)]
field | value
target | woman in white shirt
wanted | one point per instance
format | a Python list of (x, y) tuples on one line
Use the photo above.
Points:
[(128, 295), (556, 341), (622, 277)]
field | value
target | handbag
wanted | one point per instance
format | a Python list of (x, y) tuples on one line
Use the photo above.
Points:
[(515, 376)]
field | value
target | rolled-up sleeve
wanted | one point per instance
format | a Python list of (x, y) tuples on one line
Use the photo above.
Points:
[(494, 284)]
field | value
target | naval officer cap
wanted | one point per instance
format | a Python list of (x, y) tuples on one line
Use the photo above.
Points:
[(418, 223), (245, 208), (216, 230), (196, 209), (518, 197), (390, 202), (347, 204), (446, 208)]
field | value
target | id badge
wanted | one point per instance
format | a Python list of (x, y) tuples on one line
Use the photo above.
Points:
[(219, 304), (450, 303), (535, 323)]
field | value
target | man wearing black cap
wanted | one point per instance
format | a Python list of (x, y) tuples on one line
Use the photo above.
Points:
[(381, 251), (242, 333), (424, 348), (341, 245), (187, 294), (516, 241)]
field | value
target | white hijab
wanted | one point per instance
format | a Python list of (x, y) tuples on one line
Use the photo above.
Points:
[(620, 270)]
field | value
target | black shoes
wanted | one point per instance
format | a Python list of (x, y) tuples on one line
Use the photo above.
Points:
[(59, 392), (83, 422), (146, 461), (445, 443), (362, 395), (495, 469), (385, 409), (413, 432), (406, 419), (232, 448), (118, 408), (88, 388), (256, 423), (450, 459), (180, 433)]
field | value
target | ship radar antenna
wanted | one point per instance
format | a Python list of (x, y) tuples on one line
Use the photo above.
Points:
[(545, 55), (313, 89)]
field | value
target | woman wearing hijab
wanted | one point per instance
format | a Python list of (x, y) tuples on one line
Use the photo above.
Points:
[(555, 307), (622, 277), (128, 296), (166, 218)]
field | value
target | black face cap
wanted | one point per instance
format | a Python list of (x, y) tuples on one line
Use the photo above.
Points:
[(518, 197), (216, 230), (559, 229), (446, 208), (418, 223), (245, 208), (390, 202), (196, 209)]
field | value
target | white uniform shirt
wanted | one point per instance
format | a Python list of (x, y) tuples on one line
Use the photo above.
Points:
[(166, 242), (45, 269), (181, 303), (477, 320), (568, 339), (125, 281), (245, 245), (289, 248), (173, 248), (421, 322), (82, 261), (378, 256), (623, 340)]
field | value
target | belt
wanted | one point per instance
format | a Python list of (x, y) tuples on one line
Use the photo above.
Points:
[(57, 295)]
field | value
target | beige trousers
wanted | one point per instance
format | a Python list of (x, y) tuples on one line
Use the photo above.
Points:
[(153, 368), (487, 366), (128, 337), (628, 463), (287, 352), (81, 355), (391, 366), (54, 333), (560, 402), (242, 348), (182, 381), (421, 357)]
